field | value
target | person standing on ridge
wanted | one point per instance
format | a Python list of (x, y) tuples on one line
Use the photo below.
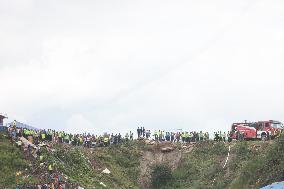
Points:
[(131, 135), (138, 132)]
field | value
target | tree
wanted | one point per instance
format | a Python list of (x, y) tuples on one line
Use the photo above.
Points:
[(161, 175)]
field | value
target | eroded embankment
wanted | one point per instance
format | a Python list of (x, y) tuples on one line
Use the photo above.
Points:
[(164, 153)]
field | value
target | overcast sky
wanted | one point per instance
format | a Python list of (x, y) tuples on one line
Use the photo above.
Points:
[(114, 65)]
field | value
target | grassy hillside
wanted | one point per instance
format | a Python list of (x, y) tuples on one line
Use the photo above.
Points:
[(84, 166), (79, 166), (251, 164), (11, 161)]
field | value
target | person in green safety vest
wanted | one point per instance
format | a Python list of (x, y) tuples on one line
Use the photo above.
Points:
[(66, 139), (156, 135), (50, 168), (43, 136), (160, 135), (41, 158), (183, 137), (14, 124), (27, 133), (106, 141), (81, 140), (19, 143), (186, 137)]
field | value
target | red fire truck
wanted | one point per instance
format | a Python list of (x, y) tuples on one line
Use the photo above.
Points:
[(257, 130)]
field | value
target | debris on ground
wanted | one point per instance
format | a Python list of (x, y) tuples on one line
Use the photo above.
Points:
[(106, 171), (101, 183), (167, 149)]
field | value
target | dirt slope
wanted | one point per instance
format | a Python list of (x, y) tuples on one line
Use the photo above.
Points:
[(164, 153)]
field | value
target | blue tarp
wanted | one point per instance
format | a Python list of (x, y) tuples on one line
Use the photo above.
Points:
[(3, 128), (276, 185), (22, 125)]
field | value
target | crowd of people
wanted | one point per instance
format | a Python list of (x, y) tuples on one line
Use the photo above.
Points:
[(223, 136), (184, 137), (86, 139), (92, 140), (187, 137)]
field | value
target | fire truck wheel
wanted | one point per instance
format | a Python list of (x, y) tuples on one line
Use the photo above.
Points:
[(263, 137)]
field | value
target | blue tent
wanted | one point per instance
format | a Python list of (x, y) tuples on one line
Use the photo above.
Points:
[(276, 185)]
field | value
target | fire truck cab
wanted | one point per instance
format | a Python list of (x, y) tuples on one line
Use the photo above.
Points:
[(257, 130)]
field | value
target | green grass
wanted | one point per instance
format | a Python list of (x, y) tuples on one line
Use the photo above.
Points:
[(11, 161), (252, 164), (121, 160)]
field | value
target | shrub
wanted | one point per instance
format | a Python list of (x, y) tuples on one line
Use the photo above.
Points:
[(161, 176)]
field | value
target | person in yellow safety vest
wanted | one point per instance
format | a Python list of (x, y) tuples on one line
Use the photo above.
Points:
[(205, 136), (41, 158), (52, 185), (81, 140), (60, 137), (183, 137), (36, 135), (27, 133), (186, 137), (14, 124), (156, 135), (50, 168), (160, 135), (106, 141), (66, 138), (19, 143), (43, 136)]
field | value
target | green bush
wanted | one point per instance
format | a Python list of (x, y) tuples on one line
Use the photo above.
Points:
[(161, 176)]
